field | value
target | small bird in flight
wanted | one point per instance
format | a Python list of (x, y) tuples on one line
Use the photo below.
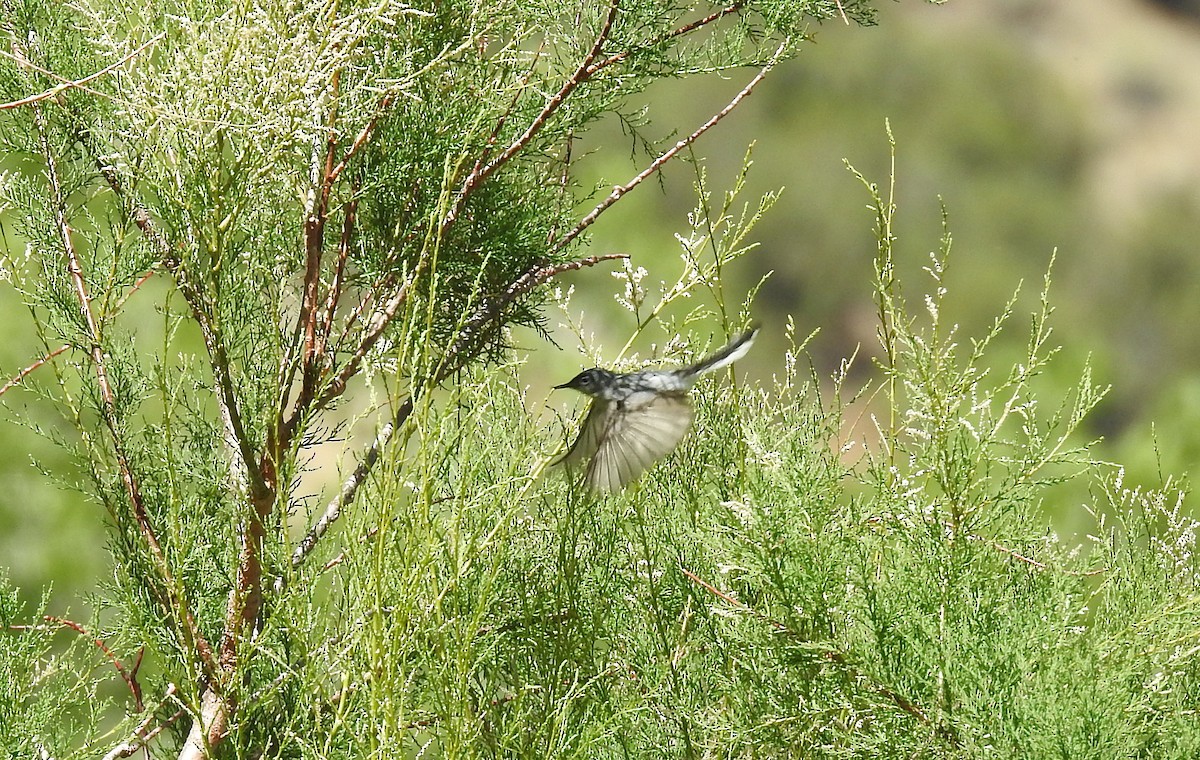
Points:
[(638, 418)]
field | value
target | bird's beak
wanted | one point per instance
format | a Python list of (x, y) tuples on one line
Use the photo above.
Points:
[(573, 383)]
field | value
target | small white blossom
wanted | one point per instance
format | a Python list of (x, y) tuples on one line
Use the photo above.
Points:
[(634, 294)]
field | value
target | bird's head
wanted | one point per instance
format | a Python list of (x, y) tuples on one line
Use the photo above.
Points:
[(590, 381)]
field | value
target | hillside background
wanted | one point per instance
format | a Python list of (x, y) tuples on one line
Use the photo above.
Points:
[(1043, 125)]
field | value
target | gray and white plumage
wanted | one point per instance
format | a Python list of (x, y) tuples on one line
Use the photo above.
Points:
[(638, 418)]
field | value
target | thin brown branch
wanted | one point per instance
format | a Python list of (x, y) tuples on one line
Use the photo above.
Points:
[(334, 294), (316, 216), (732, 602), (141, 736), (516, 98), (680, 31), (374, 331), (360, 140), (620, 191), (67, 84), (108, 404), (492, 308), (1033, 562), (381, 285), (25, 372), (128, 675), (317, 324), (138, 283), (481, 173), (345, 497), (61, 349)]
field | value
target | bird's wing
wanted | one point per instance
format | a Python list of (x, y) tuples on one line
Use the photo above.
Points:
[(589, 435), (628, 437)]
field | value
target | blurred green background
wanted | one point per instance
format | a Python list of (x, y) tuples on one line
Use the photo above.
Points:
[(1041, 124)]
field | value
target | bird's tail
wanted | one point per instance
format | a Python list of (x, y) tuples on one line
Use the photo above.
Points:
[(733, 351)]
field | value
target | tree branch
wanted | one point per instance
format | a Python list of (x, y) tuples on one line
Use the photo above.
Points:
[(67, 84), (108, 406), (128, 675), (678, 32), (349, 488), (25, 372), (479, 174), (141, 736), (619, 191)]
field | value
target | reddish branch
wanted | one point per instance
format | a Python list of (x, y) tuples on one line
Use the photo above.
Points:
[(677, 32), (373, 332), (314, 245), (482, 172), (25, 372), (244, 605), (619, 191), (128, 675), (143, 734), (317, 323), (109, 410), (349, 219)]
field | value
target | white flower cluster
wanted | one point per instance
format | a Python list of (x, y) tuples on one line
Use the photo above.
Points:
[(634, 293)]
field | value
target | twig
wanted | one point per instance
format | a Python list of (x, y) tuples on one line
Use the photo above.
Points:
[(141, 736), (25, 372), (360, 139), (339, 273), (128, 675), (685, 29), (536, 275), (350, 487), (68, 84), (374, 331), (619, 191), (731, 601), (316, 214), (1030, 561), (876, 520), (479, 174), (842, 10), (108, 402)]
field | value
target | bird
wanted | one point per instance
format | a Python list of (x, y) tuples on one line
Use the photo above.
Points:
[(637, 418)]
